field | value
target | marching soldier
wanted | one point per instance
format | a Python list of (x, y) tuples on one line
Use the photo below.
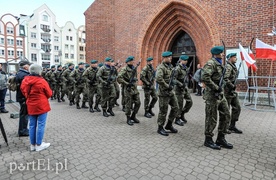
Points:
[(90, 75), (166, 95), (229, 90), (106, 78), (116, 85), (215, 101), (147, 76), (44, 71), (68, 84), (59, 92), (181, 91), (50, 78), (128, 78), (80, 85)]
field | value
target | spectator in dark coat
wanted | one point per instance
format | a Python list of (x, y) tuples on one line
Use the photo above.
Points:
[(37, 92), (3, 90)]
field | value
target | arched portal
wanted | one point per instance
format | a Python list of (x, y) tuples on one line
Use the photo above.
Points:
[(172, 21)]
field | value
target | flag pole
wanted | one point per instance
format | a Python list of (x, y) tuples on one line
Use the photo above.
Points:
[(250, 70)]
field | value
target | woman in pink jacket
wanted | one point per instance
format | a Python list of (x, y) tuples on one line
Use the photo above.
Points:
[(37, 92)]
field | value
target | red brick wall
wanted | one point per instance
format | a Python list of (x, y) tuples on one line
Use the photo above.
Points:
[(146, 28)]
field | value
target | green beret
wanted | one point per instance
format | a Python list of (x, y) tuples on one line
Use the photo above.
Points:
[(108, 59), (70, 64), (166, 54), (53, 66), (65, 67), (184, 57), (217, 50), (149, 59), (59, 66), (87, 65), (130, 58), (81, 63), (100, 64), (231, 55), (94, 61), (76, 67)]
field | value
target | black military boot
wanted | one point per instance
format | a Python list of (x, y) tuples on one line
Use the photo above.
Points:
[(162, 131), (179, 122), (84, 106), (52, 98), (97, 108), (59, 100), (129, 122), (210, 143), (91, 109), (124, 109), (116, 103), (134, 119), (183, 118), (105, 113), (62, 98), (221, 141), (147, 114), (109, 110), (78, 105), (71, 103), (234, 129), (150, 111), (170, 127)]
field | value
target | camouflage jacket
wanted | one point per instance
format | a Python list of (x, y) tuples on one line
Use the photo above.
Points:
[(181, 73), (77, 77), (210, 76), (57, 75), (230, 77), (43, 74), (124, 79), (103, 75), (147, 76), (50, 77), (65, 76), (163, 78), (90, 75)]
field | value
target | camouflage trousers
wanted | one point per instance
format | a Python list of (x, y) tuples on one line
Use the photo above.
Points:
[(164, 102), (69, 88), (78, 91), (123, 102), (107, 96), (117, 90), (53, 88), (150, 93), (59, 91), (234, 103), (131, 99), (91, 92), (211, 107), (180, 99)]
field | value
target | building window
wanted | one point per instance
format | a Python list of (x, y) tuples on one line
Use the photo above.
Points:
[(81, 56), (45, 57), (10, 53), (56, 48), (33, 57), (67, 38), (10, 42), (45, 18), (81, 48), (56, 38), (19, 53), (2, 41), (71, 38), (10, 30), (33, 45), (33, 35), (19, 42), (66, 46), (66, 55), (2, 52), (72, 56), (72, 47), (56, 59)]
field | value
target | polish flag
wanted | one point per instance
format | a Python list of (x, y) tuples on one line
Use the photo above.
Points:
[(248, 58), (265, 51)]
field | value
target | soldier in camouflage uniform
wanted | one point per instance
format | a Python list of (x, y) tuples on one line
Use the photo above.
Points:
[(44, 71), (68, 84), (59, 92), (80, 84), (50, 78), (229, 90), (90, 75), (106, 78), (116, 85), (215, 101), (181, 90), (147, 76), (130, 90), (166, 95)]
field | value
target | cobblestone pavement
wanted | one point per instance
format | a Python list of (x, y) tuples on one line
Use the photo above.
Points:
[(87, 145)]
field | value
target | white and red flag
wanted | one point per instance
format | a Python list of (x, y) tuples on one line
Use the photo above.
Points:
[(265, 51), (248, 58)]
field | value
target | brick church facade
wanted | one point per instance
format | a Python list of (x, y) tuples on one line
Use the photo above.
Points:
[(119, 28)]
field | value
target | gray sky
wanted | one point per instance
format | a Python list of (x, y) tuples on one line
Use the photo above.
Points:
[(69, 10)]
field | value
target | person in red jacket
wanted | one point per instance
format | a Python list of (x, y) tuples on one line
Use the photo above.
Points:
[(37, 92)]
